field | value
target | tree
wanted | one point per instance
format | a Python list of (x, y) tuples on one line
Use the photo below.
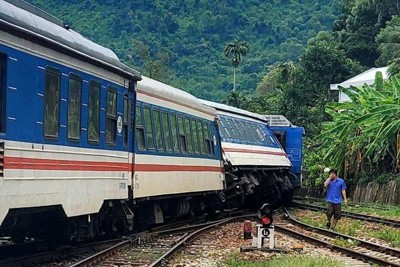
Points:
[(154, 68), (389, 42), (237, 99), (235, 51), (364, 135)]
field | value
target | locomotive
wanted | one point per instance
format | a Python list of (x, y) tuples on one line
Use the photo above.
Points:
[(90, 147)]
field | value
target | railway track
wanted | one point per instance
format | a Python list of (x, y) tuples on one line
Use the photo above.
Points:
[(58, 257), (152, 249), (352, 215), (364, 250)]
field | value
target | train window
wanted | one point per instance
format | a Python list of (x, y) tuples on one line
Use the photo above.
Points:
[(52, 103), (74, 107), (3, 91), (195, 137), (251, 133), (201, 137), (125, 121), (255, 132), (111, 121), (207, 142), (233, 133), (149, 128), (166, 131), (174, 132), (246, 133), (182, 137), (222, 130), (261, 133), (188, 136), (139, 129), (237, 128), (157, 128), (94, 113)]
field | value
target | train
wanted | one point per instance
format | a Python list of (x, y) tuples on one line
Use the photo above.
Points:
[(89, 147)]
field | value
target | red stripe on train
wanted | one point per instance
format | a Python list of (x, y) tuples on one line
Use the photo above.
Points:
[(75, 165), (63, 165), (175, 168), (253, 151)]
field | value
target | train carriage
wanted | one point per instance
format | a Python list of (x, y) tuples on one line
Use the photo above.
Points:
[(256, 166), (64, 124), (177, 150)]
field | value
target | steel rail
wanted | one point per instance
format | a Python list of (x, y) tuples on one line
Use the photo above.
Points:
[(185, 239), (352, 215), (101, 254), (361, 243), (193, 235)]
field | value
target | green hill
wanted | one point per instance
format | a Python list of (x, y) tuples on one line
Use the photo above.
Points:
[(185, 38)]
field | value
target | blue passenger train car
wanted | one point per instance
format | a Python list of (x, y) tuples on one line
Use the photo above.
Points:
[(291, 139), (256, 166)]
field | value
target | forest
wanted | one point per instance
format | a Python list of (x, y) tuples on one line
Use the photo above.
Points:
[(294, 50), (181, 42)]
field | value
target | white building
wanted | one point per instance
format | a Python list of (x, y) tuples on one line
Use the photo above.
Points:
[(367, 77)]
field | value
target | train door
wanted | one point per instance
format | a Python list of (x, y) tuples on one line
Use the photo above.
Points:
[(129, 128), (3, 90)]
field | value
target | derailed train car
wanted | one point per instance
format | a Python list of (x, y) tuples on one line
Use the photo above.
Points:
[(256, 165), (89, 147)]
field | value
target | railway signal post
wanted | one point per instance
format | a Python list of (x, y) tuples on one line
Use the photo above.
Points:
[(266, 229)]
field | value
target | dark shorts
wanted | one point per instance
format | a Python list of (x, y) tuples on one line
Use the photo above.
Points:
[(334, 210)]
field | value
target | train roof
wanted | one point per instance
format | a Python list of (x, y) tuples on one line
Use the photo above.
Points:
[(28, 21), (167, 92), (234, 110)]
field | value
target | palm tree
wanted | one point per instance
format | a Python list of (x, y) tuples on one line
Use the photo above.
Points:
[(235, 51)]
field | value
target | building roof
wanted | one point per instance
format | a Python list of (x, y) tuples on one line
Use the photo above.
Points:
[(367, 77)]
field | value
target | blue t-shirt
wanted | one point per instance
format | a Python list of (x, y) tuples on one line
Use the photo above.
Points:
[(334, 191)]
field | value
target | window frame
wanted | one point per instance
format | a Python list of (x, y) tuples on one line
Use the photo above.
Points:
[(140, 127), (57, 72), (97, 85), (175, 138), (195, 136), (168, 130), (207, 138), (147, 107), (183, 151), (155, 111), (112, 117), (76, 77), (189, 135)]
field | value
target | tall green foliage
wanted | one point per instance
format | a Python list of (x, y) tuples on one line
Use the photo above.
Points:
[(235, 51), (364, 135), (194, 32)]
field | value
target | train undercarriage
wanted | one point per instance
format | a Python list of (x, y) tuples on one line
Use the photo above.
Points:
[(252, 186), (245, 187)]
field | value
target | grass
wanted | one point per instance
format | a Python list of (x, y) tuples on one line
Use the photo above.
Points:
[(388, 234), (347, 227), (345, 243), (391, 212), (287, 260), (384, 211), (353, 227)]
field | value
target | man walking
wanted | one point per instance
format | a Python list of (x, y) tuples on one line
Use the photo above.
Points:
[(336, 188)]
